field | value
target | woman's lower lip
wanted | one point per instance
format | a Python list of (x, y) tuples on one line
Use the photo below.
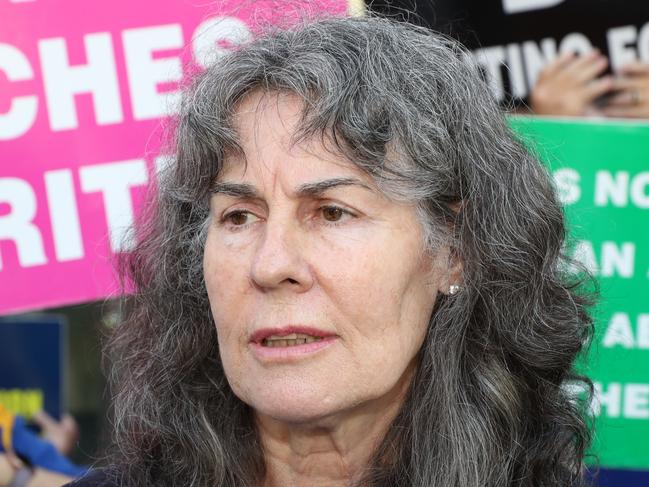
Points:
[(292, 352)]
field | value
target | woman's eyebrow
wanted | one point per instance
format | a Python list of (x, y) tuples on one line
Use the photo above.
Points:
[(314, 189), (317, 188), (236, 190)]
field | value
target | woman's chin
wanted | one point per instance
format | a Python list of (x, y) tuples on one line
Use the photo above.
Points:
[(295, 408), (293, 416)]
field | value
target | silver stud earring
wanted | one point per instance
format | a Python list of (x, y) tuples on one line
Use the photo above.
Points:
[(453, 289)]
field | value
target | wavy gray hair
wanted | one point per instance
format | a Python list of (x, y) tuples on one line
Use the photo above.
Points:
[(487, 406)]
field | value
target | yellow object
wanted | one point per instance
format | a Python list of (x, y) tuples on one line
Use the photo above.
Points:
[(7, 426), (25, 402)]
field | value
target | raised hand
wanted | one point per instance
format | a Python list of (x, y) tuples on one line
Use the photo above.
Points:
[(632, 97), (570, 85)]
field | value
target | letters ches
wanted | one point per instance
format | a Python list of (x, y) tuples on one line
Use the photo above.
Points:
[(98, 76)]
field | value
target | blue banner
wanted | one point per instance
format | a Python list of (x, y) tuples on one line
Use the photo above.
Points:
[(31, 364)]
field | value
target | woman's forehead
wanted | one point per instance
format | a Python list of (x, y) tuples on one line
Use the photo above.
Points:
[(303, 164), (268, 129), (259, 107)]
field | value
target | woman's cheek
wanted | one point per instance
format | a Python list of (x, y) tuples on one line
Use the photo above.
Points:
[(347, 242)]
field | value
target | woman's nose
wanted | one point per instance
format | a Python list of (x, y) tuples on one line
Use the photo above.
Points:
[(279, 261)]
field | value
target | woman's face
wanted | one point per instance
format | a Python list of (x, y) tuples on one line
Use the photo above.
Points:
[(319, 285)]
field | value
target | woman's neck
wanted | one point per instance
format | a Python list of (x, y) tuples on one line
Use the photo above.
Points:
[(332, 451)]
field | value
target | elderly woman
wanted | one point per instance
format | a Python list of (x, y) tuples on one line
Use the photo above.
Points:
[(350, 278)]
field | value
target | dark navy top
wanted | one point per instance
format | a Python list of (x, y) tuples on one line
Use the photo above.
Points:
[(95, 478)]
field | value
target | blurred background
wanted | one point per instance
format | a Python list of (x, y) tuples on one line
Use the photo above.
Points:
[(87, 93)]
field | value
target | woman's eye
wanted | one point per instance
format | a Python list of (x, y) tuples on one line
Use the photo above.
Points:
[(239, 218), (334, 213)]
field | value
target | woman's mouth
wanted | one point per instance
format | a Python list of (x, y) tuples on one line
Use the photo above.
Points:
[(289, 343), (289, 340)]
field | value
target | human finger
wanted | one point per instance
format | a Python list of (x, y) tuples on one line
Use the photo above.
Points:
[(62, 434), (591, 70), (45, 421), (624, 98), (635, 111), (630, 91), (7, 471), (626, 83), (13, 460), (558, 64), (587, 66), (597, 87), (636, 68), (70, 430), (69, 424)]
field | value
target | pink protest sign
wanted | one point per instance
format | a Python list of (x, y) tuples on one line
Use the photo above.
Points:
[(84, 87)]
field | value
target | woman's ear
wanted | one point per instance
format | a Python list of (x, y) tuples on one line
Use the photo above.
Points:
[(455, 268), (450, 268), (453, 275)]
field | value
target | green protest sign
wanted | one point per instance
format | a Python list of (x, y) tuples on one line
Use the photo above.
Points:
[(601, 171)]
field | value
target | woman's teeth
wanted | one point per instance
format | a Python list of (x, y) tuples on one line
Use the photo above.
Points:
[(289, 340)]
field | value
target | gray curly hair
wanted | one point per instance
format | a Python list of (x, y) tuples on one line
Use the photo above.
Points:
[(487, 406)]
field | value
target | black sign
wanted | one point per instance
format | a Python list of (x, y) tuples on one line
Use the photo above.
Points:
[(514, 39)]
